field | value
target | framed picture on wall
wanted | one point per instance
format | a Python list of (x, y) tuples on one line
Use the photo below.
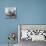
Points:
[(10, 12), (31, 32)]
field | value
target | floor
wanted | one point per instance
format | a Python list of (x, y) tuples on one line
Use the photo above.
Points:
[(30, 43), (9, 45)]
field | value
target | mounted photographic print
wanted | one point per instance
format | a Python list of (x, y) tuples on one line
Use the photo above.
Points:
[(32, 32), (10, 12)]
